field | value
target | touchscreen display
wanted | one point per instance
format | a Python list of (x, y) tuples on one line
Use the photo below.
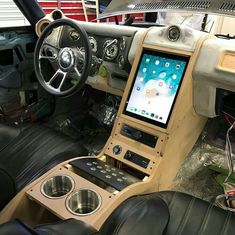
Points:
[(155, 87)]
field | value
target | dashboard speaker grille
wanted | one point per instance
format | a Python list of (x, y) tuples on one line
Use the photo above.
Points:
[(173, 5)]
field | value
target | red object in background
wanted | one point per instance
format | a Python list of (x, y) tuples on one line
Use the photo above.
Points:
[(231, 192), (74, 10)]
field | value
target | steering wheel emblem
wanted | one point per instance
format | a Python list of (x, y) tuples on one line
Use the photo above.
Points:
[(66, 58)]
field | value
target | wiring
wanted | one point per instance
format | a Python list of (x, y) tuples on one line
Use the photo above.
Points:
[(229, 196), (229, 118), (228, 151)]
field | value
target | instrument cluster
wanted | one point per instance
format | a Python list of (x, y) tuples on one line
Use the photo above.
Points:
[(110, 49)]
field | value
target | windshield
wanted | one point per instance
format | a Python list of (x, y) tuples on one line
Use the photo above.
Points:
[(217, 16), (117, 7)]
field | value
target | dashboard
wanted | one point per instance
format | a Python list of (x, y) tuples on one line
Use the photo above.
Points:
[(116, 46), (107, 48)]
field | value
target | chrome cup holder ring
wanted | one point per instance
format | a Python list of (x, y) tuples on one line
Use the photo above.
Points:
[(83, 202), (57, 186)]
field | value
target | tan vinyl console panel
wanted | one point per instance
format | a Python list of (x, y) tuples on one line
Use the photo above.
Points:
[(148, 172)]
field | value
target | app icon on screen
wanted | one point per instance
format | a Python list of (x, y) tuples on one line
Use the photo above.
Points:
[(157, 62), (143, 112), (154, 71), (147, 60), (144, 70), (138, 88), (174, 76), (162, 75), (171, 87), (160, 84), (152, 115), (167, 64), (177, 66)]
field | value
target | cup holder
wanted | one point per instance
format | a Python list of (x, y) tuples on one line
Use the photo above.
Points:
[(57, 186), (83, 202)]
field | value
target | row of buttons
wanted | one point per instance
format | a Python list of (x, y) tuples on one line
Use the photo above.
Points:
[(94, 166)]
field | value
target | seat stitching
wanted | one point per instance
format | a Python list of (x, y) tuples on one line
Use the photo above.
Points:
[(205, 219), (185, 217), (226, 223)]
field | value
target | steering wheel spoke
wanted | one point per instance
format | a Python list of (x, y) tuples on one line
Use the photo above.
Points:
[(62, 81), (57, 75), (78, 73)]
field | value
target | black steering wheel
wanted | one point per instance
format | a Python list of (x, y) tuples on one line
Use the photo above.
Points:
[(62, 70)]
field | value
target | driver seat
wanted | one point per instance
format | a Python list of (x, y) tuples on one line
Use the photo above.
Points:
[(28, 152)]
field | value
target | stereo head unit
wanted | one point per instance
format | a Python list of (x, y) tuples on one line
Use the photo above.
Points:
[(155, 87)]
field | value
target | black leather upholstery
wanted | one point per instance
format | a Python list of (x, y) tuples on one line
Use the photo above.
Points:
[(163, 213), (7, 186), (15, 227), (7, 134), (67, 227), (190, 215), (138, 215), (31, 151), (168, 213)]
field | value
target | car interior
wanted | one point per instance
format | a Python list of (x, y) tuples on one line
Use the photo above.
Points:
[(116, 128)]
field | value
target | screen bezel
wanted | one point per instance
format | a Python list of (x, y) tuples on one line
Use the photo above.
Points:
[(173, 56)]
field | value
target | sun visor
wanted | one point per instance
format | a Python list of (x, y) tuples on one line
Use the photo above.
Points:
[(120, 7)]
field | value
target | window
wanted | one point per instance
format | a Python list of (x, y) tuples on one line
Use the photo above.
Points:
[(10, 15)]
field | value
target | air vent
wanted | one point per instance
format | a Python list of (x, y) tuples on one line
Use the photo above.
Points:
[(197, 5), (227, 7)]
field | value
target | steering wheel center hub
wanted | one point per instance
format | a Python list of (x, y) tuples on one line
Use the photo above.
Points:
[(66, 59)]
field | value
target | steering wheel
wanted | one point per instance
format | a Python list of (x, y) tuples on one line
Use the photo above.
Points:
[(62, 70)]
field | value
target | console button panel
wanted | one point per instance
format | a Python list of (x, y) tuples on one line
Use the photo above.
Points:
[(110, 175)]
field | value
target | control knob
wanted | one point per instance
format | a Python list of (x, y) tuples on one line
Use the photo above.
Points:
[(117, 149)]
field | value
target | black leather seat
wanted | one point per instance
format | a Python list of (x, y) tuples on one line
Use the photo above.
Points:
[(67, 227), (168, 213), (28, 152), (163, 213)]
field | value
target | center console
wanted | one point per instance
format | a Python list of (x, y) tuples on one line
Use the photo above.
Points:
[(155, 129)]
